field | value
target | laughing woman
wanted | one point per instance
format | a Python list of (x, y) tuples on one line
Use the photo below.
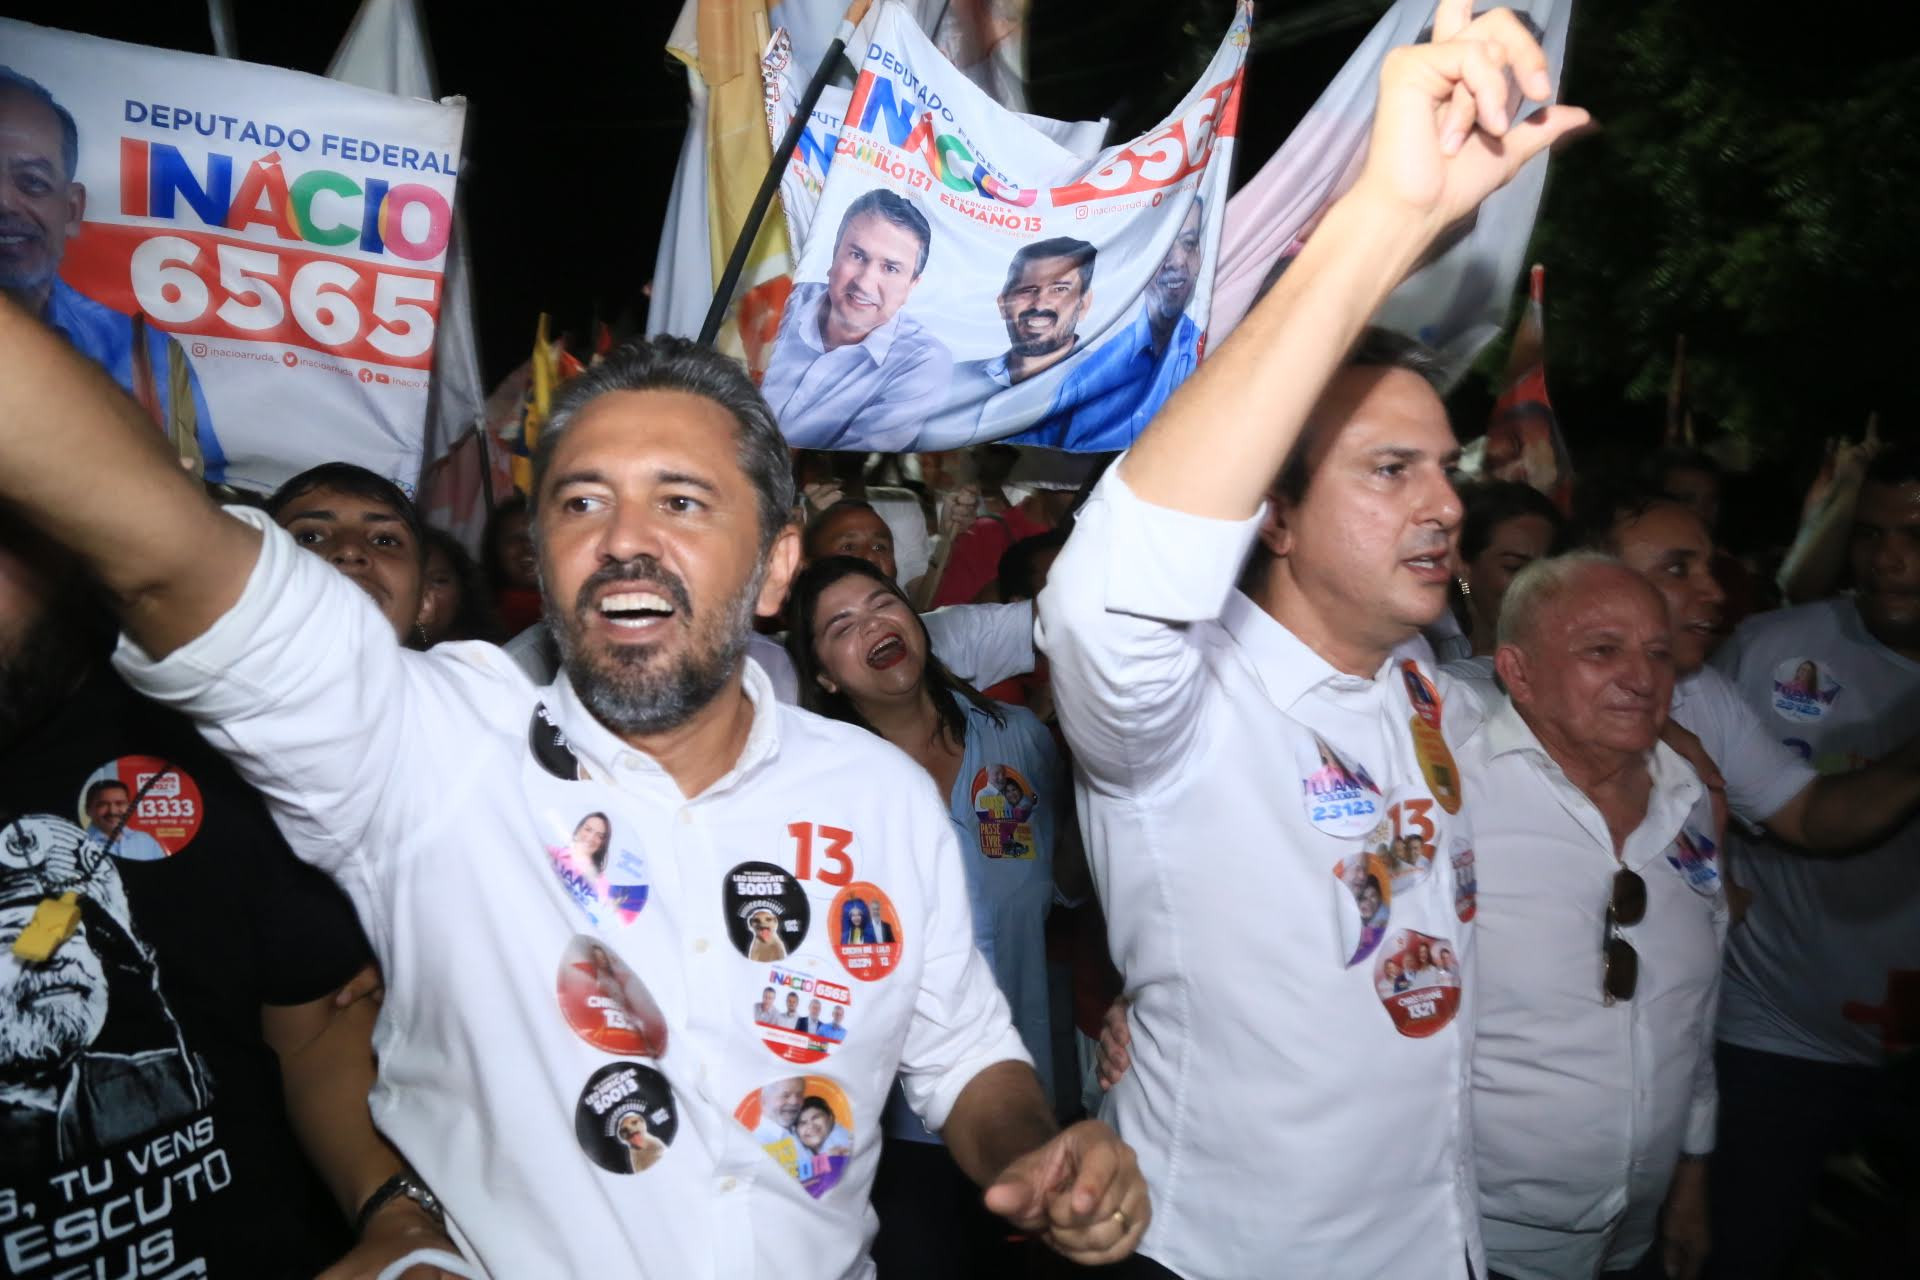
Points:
[(862, 656)]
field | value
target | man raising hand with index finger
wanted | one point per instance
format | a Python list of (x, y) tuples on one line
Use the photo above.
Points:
[(1298, 1092)]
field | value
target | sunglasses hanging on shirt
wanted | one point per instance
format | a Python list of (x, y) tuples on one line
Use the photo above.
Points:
[(1620, 963)]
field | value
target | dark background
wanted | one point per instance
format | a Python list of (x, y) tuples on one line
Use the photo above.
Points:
[(1752, 187)]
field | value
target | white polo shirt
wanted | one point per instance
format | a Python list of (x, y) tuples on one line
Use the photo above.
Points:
[(1813, 960), (1297, 1104), (1580, 1109), (553, 1010)]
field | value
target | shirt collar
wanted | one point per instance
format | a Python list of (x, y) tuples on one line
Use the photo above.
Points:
[(1285, 666), (600, 747), (1507, 732), (876, 344), (62, 302)]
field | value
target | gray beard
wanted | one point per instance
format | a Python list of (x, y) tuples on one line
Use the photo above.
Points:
[(635, 700)]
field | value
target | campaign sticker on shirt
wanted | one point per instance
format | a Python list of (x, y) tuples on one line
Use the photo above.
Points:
[(766, 912), (1803, 689), (1421, 693), (1417, 978), (1363, 904), (604, 877), (800, 1017), (625, 1119), (606, 1003), (549, 746), (1002, 802), (866, 932), (1693, 855), (806, 1124), (1466, 881), (1436, 764), (141, 808), (1341, 799), (1403, 843)]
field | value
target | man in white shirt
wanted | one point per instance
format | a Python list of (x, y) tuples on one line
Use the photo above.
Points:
[(850, 369), (1198, 714), (1813, 997), (1593, 1094), (1769, 781), (433, 786), (108, 803)]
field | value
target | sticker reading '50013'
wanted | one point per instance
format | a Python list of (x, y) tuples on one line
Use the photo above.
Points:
[(766, 911), (625, 1119)]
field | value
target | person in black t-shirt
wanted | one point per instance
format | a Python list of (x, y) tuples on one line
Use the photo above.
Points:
[(147, 1027)]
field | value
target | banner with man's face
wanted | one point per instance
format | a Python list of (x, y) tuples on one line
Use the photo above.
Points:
[(966, 273), (254, 254)]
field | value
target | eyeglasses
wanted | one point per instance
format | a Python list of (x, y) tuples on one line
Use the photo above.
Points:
[(1619, 962)]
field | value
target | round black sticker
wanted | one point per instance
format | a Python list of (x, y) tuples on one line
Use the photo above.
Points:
[(766, 912), (625, 1119)]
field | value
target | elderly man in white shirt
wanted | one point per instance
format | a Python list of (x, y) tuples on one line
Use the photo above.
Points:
[(1600, 920), (443, 790), (1245, 759)]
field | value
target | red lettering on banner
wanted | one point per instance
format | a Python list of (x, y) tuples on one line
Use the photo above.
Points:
[(214, 286), (1165, 156), (133, 178)]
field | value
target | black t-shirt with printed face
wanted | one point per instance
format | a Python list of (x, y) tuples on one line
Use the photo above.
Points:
[(142, 1130)]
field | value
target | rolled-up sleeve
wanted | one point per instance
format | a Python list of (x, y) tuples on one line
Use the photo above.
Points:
[(1763, 774), (983, 644), (1116, 621), (961, 1024)]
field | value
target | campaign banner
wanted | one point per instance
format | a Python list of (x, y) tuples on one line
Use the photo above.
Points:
[(1460, 297), (963, 274), (255, 254), (723, 158), (806, 171)]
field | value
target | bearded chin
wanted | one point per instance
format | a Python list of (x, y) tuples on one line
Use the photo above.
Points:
[(635, 692)]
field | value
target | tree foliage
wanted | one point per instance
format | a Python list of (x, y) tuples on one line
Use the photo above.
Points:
[(1751, 188)]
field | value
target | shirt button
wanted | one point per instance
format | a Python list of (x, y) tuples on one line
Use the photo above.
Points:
[(727, 1184), (699, 946), (686, 816)]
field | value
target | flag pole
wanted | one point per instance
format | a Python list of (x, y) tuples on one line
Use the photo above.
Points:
[(750, 230)]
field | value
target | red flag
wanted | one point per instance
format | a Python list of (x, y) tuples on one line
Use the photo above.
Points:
[(1523, 440)]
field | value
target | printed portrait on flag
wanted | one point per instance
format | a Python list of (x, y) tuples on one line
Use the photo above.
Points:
[(227, 240), (966, 273)]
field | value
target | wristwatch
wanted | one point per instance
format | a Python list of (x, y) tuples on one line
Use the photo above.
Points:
[(400, 1184)]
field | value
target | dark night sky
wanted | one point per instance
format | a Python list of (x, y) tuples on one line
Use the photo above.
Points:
[(576, 113)]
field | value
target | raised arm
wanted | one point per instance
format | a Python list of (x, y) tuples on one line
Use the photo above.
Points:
[(1222, 438), (80, 461)]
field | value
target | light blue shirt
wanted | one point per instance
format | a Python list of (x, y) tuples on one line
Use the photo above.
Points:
[(957, 422), (872, 394), (1116, 388), (105, 336), (1008, 850), (133, 845)]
